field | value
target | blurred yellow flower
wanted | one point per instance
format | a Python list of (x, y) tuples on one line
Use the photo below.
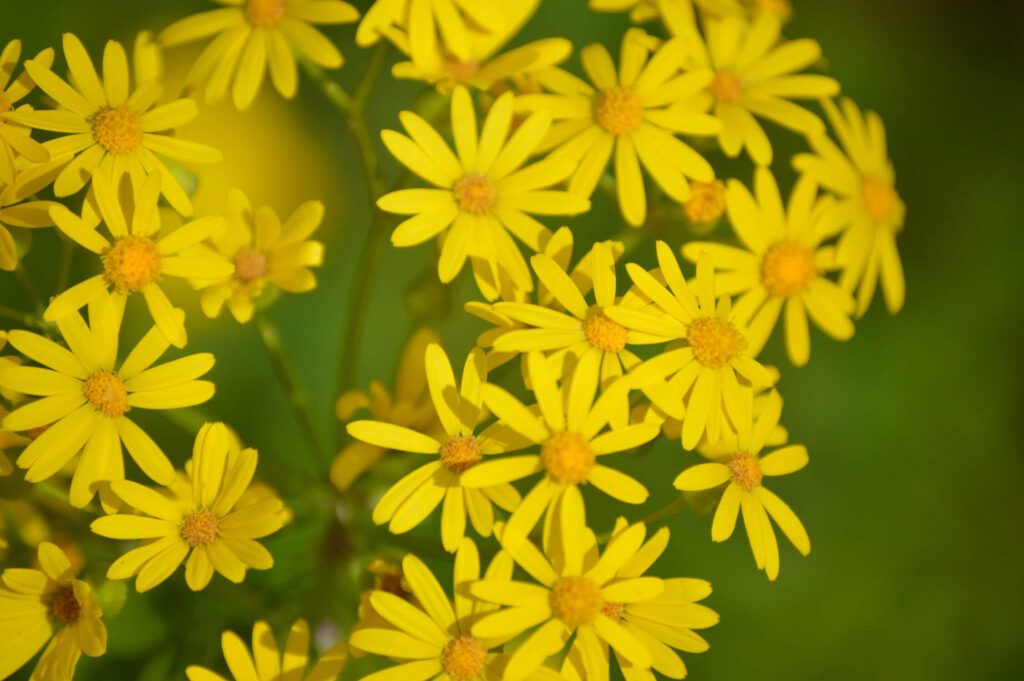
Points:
[(16, 140), (677, 15), (15, 211)]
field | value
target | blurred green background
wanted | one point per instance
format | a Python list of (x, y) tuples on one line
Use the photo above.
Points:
[(911, 498)]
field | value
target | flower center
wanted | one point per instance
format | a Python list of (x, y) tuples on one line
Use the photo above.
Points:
[(746, 470), (613, 611), (250, 265), (474, 193), (264, 12), (65, 606), (132, 263), (460, 71), (107, 393), (199, 528), (460, 453), (604, 333), (787, 268), (567, 458), (118, 129), (463, 658), (727, 86), (619, 111), (879, 198), (706, 202), (715, 341), (576, 601)]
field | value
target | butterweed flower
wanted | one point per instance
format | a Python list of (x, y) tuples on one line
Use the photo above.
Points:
[(677, 15), (16, 140), (267, 663), (48, 604), (254, 36), (705, 206), (744, 472), (783, 264), (871, 211), (15, 211), (85, 401), (207, 524)]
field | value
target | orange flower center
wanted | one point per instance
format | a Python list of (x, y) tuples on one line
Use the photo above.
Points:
[(727, 86), (576, 601), (604, 333), (463, 658), (459, 453), (788, 268), (706, 202), (199, 528), (264, 12), (474, 193), (879, 198), (567, 458), (613, 611), (715, 341), (65, 606), (250, 265), (460, 71), (132, 263), (118, 129), (619, 111), (107, 393), (746, 470)]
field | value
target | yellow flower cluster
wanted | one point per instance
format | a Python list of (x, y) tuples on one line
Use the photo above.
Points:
[(612, 351)]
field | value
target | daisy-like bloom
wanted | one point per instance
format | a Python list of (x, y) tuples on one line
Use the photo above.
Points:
[(627, 112), (483, 192), (705, 206), (573, 595), (134, 261), (43, 605), (110, 129), (780, 9), (783, 264), (267, 662), (208, 524), (16, 140), (263, 251), (757, 75), (255, 36), (85, 401), (15, 211), (409, 407), (715, 359), (677, 15), (744, 472), (7, 441), (567, 427), (460, 410), (863, 177)]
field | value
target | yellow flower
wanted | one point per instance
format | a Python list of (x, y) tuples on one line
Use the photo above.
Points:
[(756, 75), (783, 264), (705, 206), (577, 593), (780, 9), (111, 130), (566, 427), (15, 211), (263, 250), (135, 261), (483, 192), (460, 410), (85, 401), (254, 36), (744, 493), (409, 407), (208, 524), (387, 576), (677, 15), (715, 361), (16, 140), (862, 175), (628, 113), (8, 439), (48, 605)]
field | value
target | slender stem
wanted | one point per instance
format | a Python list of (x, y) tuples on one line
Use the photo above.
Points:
[(23, 318), (67, 251), (668, 509), (26, 284)]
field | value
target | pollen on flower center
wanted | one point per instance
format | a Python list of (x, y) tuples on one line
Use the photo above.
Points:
[(715, 341), (727, 86), (463, 658), (459, 453), (65, 606), (474, 193), (576, 601), (107, 393), (567, 458), (746, 470), (706, 202), (460, 71), (605, 333), (118, 129), (787, 268), (618, 110), (199, 528), (613, 611), (132, 263), (250, 265), (879, 198), (264, 12)]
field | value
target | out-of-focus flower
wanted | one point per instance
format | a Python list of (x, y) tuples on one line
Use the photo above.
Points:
[(677, 15), (15, 139), (15, 211)]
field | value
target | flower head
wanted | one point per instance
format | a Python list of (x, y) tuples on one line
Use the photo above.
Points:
[(15, 211), (15, 139), (678, 16)]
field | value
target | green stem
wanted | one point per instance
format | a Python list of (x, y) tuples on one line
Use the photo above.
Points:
[(30, 289), (67, 250), (668, 509), (23, 318)]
